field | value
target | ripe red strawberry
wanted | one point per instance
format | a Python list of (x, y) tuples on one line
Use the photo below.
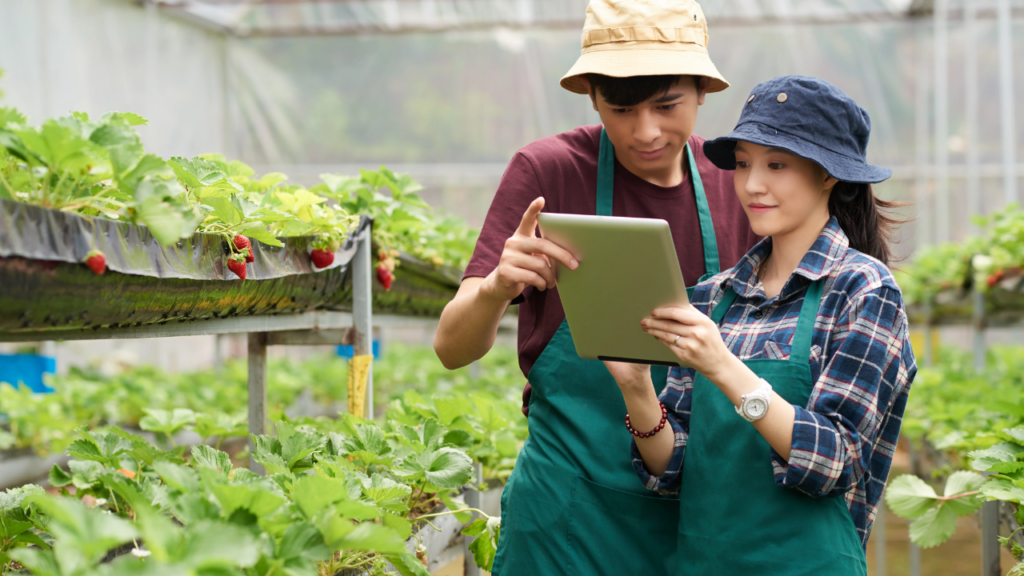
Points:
[(321, 258), (242, 245), (384, 276), (996, 277), (96, 261), (237, 266)]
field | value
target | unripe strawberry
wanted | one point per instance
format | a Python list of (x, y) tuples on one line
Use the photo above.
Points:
[(321, 258), (96, 261), (243, 245)]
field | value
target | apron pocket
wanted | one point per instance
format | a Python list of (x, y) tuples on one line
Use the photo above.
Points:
[(614, 532)]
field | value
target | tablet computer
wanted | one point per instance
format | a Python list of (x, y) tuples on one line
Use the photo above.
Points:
[(627, 268)]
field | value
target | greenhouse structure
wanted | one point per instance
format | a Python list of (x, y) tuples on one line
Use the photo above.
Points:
[(229, 230)]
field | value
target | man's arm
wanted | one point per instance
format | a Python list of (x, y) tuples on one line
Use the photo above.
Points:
[(469, 323)]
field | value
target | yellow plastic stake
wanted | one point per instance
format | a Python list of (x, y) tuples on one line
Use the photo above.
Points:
[(358, 377)]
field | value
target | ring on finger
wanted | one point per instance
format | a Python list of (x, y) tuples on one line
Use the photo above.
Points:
[(676, 340)]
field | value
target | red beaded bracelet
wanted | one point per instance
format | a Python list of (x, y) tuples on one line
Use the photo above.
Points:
[(664, 419)]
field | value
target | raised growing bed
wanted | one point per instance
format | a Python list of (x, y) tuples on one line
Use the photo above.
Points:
[(47, 288)]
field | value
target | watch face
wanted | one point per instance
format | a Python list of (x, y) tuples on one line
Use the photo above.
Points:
[(756, 408)]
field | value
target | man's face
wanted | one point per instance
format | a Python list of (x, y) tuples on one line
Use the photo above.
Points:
[(649, 137)]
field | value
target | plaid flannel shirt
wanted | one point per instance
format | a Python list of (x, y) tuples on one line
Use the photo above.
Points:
[(861, 362)]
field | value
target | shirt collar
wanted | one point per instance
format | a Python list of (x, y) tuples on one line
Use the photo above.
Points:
[(826, 253)]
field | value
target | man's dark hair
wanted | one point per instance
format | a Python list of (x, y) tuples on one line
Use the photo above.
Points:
[(633, 90)]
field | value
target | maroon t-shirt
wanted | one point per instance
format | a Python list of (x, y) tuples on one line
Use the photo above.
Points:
[(563, 169)]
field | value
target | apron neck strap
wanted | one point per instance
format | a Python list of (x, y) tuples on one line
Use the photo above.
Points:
[(605, 193), (801, 348), (605, 175), (707, 227)]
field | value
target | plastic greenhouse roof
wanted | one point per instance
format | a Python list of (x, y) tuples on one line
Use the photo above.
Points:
[(354, 17)]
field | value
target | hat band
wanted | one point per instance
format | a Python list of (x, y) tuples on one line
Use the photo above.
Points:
[(644, 34)]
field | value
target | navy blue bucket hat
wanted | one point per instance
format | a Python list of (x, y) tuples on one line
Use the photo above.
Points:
[(808, 117)]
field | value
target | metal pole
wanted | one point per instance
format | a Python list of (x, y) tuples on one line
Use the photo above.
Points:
[(879, 534), (257, 393), (974, 200), (218, 353), (978, 305), (362, 310), (924, 223), (990, 565), (1006, 103), (941, 48)]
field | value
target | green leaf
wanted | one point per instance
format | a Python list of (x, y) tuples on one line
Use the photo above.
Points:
[(959, 483), (407, 564), (167, 422), (211, 458), (314, 493), (258, 231), (224, 209), (85, 473), (255, 499), (382, 490), (180, 478), (909, 497), (933, 527), (210, 545), (447, 467), (1002, 489), (983, 460), (302, 540), (401, 526), (59, 477), (371, 537)]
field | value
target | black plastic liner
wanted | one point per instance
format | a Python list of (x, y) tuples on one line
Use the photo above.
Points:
[(45, 286)]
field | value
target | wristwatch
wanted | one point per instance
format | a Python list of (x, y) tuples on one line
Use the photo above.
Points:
[(755, 405)]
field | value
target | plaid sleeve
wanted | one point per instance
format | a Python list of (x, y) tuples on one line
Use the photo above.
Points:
[(850, 417), (677, 398)]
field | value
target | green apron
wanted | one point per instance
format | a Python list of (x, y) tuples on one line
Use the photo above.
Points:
[(573, 504), (735, 521)]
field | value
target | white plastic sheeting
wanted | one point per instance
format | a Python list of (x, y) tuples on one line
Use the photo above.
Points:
[(452, 107)]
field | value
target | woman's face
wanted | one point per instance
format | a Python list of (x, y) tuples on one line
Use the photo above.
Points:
[(781, 192)]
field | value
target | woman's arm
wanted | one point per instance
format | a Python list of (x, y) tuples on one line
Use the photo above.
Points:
[(857, 404)]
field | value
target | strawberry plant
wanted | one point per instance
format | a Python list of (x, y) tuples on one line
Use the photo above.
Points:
[(994, 258), (402, 220), (975, 421), (332, 501)]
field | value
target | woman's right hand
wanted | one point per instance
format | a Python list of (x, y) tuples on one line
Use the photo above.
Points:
[(630, 377)]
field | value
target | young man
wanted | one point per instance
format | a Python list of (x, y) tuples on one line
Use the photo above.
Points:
[(573, 504)]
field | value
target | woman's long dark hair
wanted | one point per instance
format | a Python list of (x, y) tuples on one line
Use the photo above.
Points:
[(865, 219)]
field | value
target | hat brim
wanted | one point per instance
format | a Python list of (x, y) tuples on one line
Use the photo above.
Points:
[(721, 152), (643, 62)]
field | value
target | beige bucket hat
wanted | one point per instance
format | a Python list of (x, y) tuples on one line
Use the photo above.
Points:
[(623, 38)]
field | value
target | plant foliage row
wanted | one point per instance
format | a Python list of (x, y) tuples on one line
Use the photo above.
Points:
[(98, 167), (974, 421), (332, 502)]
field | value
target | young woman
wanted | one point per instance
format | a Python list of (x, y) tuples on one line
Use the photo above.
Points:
[(779, 435)]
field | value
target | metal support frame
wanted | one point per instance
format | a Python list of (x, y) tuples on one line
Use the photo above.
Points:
[(360, 336), (257, 394), (974, 199), (362, 310), (941, 49), (1006, 102)]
